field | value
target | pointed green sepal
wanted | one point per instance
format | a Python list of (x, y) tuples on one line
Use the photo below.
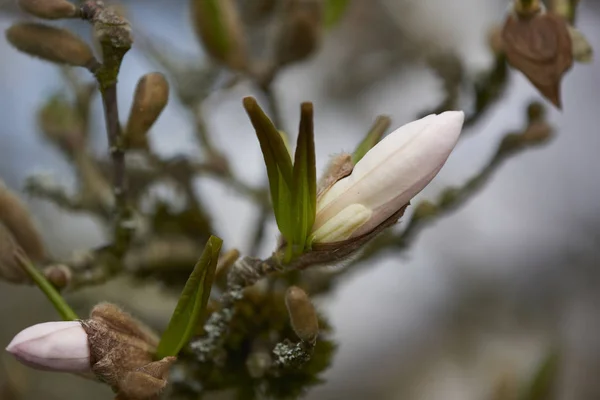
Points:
[(279, 166), (334, 11), (381, 124), (192, 302), (304, 189), (543, 384)]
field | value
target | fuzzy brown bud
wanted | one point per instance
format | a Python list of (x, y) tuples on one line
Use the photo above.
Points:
[(59, 275), (51, 44), (17, 219), (540, 47), (10, 270), (121, 353), (49, 9), (219, 29), (302, 30), (61, 124), (150, 99), (303, 316)]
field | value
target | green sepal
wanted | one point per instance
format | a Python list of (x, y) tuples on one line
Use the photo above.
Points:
[(192, 302), (381, 124), (279, 166)]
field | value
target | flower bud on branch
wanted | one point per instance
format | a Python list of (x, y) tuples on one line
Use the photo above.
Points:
[(116, 348), (53, 346), (220, 31), (303, 316), (386, 178), (150, 99), (49, 9), (51, 44)]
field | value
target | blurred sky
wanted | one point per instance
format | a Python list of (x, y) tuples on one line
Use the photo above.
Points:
[(476, 296)]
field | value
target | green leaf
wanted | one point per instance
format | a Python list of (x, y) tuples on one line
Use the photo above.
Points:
[(381, 124), (210, 17), (304, 189), (279, 166), (334, 10), (543, 383), (192, 302), (46, 287)]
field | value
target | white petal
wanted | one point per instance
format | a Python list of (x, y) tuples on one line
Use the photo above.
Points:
[(395, 170), (342, 225), (56, 346)]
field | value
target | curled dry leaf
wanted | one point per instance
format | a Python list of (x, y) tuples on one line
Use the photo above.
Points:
[(540, 47)]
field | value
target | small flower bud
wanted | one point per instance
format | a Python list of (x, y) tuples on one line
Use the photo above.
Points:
[(53, 346), (302, 30), (151, 97), (220, 31), (384, 181), (539, 45), (51, 44), (61, 124), (59, 275), (49, 9), (17, 219), (303, 316)]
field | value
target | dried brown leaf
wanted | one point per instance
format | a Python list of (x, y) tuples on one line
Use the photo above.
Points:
[(540, 47)]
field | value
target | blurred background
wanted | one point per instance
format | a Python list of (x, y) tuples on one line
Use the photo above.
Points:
[(482, 295)]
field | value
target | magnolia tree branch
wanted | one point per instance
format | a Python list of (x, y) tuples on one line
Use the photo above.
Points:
[(247, 271)]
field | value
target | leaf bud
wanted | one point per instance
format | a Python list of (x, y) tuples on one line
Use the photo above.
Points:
[(301, 31), (303, 316), (150, 99), (51, 44), (219, 29), (49, 9)]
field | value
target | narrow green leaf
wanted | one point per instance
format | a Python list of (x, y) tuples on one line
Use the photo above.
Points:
[(209, 19), (543, 383), (278, 162), (334, 10), (46, 287), (192, 302), (304, 189), (381, 124)]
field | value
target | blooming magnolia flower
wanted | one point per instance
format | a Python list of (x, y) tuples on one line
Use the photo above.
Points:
[(56, 346), (386, 178)]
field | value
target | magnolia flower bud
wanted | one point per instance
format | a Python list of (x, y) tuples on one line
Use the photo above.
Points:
[(386, 178), (49, 9), (303, 316), (54, 346), (150, 99), (51, 44)]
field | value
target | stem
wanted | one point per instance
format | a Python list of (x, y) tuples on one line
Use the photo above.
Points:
[(59, 303)]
